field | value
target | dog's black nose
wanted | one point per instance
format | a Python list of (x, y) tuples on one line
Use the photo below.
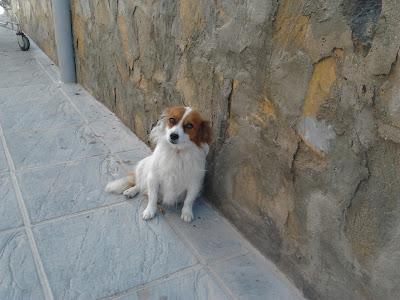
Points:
[(173, 136)]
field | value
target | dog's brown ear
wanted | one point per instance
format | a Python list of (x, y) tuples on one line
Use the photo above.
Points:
[(205, 133)]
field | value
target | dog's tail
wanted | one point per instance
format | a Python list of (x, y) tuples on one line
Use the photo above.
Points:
[(120, 185)]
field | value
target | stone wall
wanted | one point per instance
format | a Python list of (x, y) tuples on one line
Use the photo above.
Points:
[(304, 100), (36, 17)]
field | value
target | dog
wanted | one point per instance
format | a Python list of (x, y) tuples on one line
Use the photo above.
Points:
[(176, 168)]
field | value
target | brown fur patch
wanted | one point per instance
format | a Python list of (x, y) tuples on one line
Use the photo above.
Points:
[(175, 113), (200, 133)]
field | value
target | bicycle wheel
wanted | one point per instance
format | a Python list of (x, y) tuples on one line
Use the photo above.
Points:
[(23, 42)]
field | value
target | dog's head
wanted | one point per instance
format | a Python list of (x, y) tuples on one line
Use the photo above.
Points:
[(182, 126)]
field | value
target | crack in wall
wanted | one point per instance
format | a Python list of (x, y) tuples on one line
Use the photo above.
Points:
[(362, 182), (115, 98), (294, 158), (230, 100), (117, 11), (223, 133), (394, 62)]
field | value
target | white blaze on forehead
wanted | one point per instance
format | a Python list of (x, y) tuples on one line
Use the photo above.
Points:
[(178, 128), (188, 110)]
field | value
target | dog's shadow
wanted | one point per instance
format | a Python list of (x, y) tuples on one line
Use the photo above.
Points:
[(172, 212)]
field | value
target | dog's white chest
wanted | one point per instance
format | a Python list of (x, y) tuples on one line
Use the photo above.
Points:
[(177, 171)]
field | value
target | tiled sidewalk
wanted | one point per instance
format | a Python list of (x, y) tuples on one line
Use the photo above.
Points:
[(62, 237)]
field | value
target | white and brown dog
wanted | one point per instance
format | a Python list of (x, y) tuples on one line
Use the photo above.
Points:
[(176, 168)]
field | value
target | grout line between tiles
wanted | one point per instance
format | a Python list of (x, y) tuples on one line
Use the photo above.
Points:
[(72, 162), (59, 163), (27, 223), (80, 213), (29, 85), (39, 130), (44, 129), (253, 250), (159, 280), (202, 261)]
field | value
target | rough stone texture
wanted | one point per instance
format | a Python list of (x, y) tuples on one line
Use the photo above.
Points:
[(36, 18), (304, 101)]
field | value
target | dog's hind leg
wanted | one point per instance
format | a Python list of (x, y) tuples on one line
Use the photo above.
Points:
[(132, 192)]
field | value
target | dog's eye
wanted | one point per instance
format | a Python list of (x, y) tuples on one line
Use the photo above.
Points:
[(172, 121), (189, 126)]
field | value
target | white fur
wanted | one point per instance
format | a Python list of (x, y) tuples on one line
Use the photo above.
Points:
[(119, 185), (171, 173)]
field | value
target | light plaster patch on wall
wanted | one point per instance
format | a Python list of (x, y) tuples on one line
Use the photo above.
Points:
[(316, 133)]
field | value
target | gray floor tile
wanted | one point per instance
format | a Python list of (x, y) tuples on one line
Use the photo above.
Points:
[(28, 76), (11, 45), (117, 136), (88, 106), (107, 251), (251, 277), (9, 211), (69, 188), (41, 147), (20, 94), (8, 42), (17, 60), (40, 113), (196, 284), (18, 278), (50, 67), (131, 158), (211, 236), (3, 160)]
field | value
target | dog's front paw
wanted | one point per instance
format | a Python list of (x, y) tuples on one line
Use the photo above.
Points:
[(131, 192), (187, 216), (148, 214)]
